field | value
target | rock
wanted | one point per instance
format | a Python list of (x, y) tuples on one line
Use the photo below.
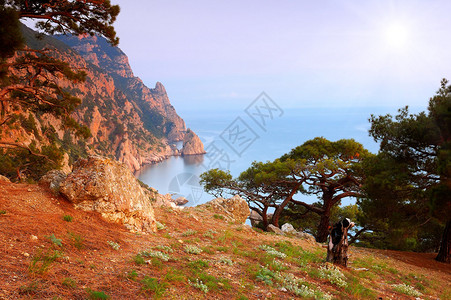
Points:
[(108, 187), (52, 180), (33, 238), (276, 230), (4, 179), (288, 228), (306, 236), (192, 144), (180, 201), (234, 209)]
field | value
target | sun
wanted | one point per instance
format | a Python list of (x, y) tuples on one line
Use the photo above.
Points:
[(396, 36)]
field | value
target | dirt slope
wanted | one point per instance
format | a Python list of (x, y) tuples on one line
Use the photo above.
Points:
[(231, 264)]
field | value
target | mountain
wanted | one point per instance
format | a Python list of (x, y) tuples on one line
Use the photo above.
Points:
[(129, 121)]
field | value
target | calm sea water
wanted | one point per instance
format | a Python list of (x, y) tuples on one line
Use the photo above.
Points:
[(233, 139)]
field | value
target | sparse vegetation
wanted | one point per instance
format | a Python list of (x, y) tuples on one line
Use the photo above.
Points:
[(406, 289), (67, 218), (58, 242), (96, 295), (191, 249), (114, 245), (42, 261), (155, 286), (189, 232), (198, 284)]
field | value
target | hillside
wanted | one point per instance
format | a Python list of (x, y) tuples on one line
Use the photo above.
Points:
[(232, 265), (134, 124)]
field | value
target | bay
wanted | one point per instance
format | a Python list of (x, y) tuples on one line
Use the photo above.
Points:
[(226, 149)]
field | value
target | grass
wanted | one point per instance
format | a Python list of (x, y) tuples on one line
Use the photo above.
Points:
[(198, 265), (69, 283), (138, 259), (175, 275), (218, 217), (153, 285)]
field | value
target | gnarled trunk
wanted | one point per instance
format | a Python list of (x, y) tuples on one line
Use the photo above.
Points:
[(444, 254)]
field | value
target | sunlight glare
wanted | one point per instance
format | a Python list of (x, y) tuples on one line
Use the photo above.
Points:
[(396, 36)]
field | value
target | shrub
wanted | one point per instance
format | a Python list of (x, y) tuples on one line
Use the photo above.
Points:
[(333, 275), (2, 212), (96, 295), (114, 245), (406, 289), (160, 226), (41, 262), (67, 218), (139, 260), (164, 248), (156, 254), (191, 249), (54, 240), (271, 251), (198, 284)]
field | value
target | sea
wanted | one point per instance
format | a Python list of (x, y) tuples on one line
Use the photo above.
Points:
[(235, 138)]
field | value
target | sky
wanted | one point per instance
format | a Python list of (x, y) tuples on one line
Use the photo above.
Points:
[(223, 54)]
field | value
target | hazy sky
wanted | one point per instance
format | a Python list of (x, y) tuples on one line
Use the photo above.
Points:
[(222, 54)]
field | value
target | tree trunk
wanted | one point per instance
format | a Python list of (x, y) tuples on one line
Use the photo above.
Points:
[(444, 254), (323, 228), (339, 253)]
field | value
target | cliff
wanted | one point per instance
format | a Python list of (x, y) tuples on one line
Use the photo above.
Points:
[(128, 121), (192, 144)]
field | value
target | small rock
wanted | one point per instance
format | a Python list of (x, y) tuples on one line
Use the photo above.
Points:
[(180, 201), (288, 228), (180, 241), (26, 254), (29, 190), (276, 230), (33, 238), (282, 289)]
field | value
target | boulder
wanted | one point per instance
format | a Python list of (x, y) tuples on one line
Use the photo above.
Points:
[(276, 230), (192, 144), (180, 201), (288, 228), (108, 187), (52, 180), (4, 179), (234, 209)]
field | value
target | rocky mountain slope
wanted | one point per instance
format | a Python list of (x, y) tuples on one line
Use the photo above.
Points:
[(64, 253), (128, 121)]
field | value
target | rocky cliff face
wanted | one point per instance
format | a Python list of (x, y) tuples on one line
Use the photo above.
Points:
[(192, 144), (128, 121)]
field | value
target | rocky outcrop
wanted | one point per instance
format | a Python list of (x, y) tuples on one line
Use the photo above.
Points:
[(192, 144), (234, 209), (108, 187), (52, 180), (4, 179)]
